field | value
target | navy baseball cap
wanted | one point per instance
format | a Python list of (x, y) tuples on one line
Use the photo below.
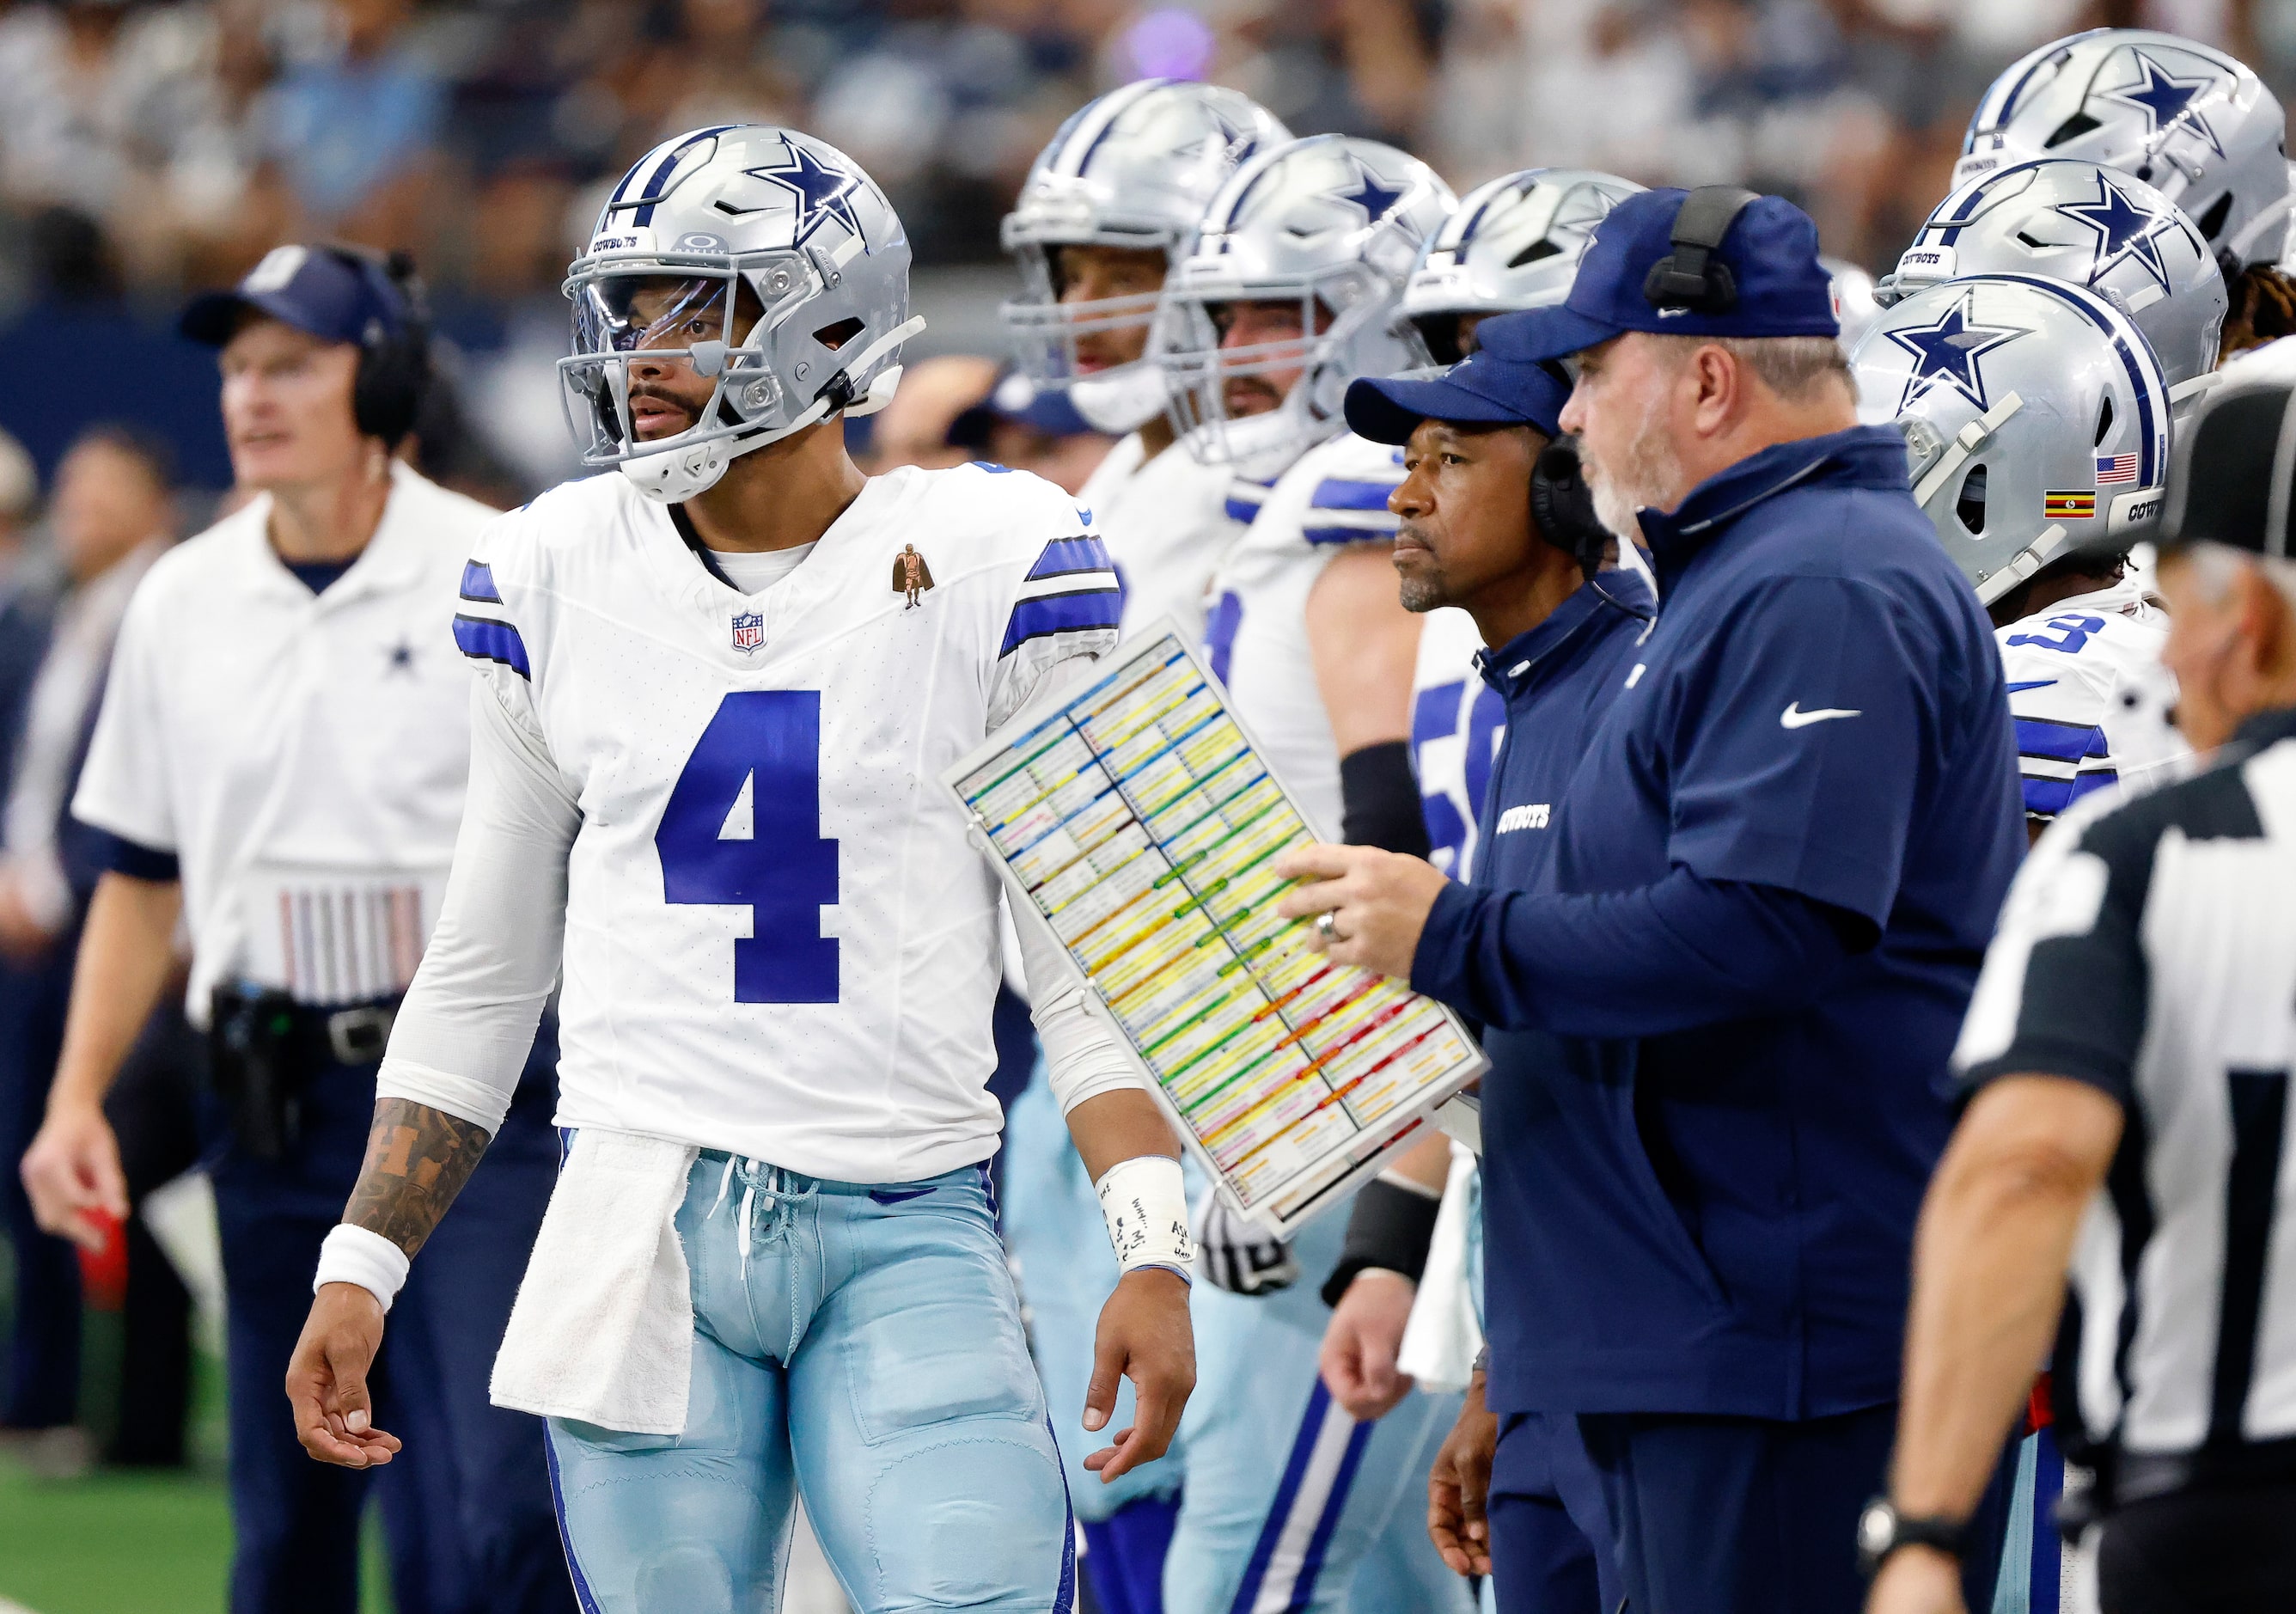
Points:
[(327, 294), (1492, 386), (1769, 252)]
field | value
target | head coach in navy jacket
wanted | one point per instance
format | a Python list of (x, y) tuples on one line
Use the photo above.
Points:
[(1769, 885)]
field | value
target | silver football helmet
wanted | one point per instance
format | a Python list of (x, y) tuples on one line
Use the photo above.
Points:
[(1514, 243), (1134, 169), (1333, 224), (2036, 420), (763, 259), (2092, 225), (2189, 121)]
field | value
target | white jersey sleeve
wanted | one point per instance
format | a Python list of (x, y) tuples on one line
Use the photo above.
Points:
[(1458, 721), (1256, 633), (123, 784), (2083, 679)]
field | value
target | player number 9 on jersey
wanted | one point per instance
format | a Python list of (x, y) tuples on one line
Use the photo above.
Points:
[(742, 829)]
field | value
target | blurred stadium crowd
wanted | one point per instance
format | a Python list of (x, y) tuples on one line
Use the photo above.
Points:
[(150, 148)]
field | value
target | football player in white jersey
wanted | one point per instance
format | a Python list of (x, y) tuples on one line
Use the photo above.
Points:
[(2038, 422), (1107, 206), (1288, 293), (716, 693)]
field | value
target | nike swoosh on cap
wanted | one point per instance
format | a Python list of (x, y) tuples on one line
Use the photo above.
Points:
[(1793, 716), (2031, 683)]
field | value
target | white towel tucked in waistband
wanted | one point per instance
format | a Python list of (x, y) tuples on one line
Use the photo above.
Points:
[(603, 1329), (1442, 1338)]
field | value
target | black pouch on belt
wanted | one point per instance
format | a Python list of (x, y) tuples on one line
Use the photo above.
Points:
[(260, 1063)]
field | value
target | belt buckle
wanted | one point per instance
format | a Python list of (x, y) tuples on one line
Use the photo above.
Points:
[(359, 1036)]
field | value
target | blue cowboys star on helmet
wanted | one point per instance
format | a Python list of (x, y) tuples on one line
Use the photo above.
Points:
[(823, 192), (1376, 201), (2167, 98), (2127, 229), (1947, 351)]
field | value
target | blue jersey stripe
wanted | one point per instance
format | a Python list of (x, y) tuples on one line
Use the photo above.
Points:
[(1348, 535), (1063, 556), (1241, 510), (2046, 798), (1081, 610), (1348, 492), (483, 639), (2059, 742), (479, 583)]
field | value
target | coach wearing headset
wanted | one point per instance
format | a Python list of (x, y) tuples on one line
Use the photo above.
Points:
[(280, 764), (1750, 941)]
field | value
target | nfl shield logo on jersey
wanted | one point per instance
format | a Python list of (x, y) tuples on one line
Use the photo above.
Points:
[(748, 630)]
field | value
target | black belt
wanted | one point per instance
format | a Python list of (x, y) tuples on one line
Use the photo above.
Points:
[(265, 1048)]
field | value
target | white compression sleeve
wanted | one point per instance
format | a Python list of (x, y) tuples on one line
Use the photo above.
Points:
[(463, 1035)]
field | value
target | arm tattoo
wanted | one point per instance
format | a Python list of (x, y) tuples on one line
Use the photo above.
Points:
[(417, 1161)]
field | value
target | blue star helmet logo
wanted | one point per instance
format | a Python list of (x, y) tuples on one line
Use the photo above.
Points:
[(1949, 352), (2127, 230), (2166, 100), (1376, 201), (822, 192)]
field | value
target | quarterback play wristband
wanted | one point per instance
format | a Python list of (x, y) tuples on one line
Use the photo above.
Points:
[(1146, 1207), (354, 1255)]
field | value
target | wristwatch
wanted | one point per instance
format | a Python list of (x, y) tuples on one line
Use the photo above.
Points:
[(1882, 1530)]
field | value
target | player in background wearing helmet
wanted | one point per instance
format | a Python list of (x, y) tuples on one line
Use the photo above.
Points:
[(1514, 243), (2091, 227), (2186, 119), (2036, 420), (1108, 207), (1290, 292), (707, 712)]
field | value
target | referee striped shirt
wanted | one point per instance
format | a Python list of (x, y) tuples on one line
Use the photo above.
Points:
[(2149, 948)]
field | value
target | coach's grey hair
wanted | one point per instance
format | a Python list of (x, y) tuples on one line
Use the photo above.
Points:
[(2216, 567), (1794, 367)]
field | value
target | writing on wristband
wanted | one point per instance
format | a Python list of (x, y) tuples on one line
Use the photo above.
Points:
[(356, 1255), (1145, 1204)]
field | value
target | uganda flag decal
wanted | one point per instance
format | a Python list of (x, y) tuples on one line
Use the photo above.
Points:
[(2067, 506)]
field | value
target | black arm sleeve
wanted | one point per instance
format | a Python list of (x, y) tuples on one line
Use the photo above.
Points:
[(1378, 800), (1389, 1227)]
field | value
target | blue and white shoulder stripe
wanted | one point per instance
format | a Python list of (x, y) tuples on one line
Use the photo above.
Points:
[(1071, 591), (1349, 506), (483, 630)]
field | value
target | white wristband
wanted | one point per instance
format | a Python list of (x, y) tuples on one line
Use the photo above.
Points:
[(1145, 1204), (354, 1255)]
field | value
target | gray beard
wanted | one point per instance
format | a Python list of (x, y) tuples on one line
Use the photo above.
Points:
[(1652, 476), (1423, 593)]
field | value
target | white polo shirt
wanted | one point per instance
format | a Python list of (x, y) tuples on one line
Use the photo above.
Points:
[(303, 755)]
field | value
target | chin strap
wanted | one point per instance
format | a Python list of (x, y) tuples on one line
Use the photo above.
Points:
[(2039, 553), (1966, 442)]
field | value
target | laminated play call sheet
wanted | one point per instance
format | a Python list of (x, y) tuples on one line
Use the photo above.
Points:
[(1141, 824)]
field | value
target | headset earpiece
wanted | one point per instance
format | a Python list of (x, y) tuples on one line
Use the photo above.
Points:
[(1563, 505), (1688, 277), (394, 368)]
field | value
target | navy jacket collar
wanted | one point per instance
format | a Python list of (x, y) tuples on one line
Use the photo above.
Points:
[(1864, 456), (2263, 729), (1516, 666)]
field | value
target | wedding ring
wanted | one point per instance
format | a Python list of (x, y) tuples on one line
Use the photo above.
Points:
[(1327, 926)]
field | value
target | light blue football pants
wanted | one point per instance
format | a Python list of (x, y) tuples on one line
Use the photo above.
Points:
[(859, 1347), (1257, 1529)]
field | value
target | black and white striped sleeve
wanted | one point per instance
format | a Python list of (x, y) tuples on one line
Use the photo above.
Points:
[(2066, 983)]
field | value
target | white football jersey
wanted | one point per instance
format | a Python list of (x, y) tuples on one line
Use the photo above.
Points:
[(778, 938), (1458, 721), (2089, 695), (1165, 523), (1256, 636)]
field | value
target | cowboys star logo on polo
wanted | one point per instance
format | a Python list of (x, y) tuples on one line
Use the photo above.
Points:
[(749, 631), (1948, 350), (822, 192), (2168, 99), (2127, 230)]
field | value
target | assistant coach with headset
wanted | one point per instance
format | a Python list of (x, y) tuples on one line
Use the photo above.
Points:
[(1770, 885), (2127, 1062), (280, 761)]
